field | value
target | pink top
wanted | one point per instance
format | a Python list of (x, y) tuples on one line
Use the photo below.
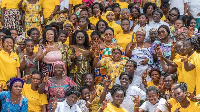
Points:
[(52, 57)]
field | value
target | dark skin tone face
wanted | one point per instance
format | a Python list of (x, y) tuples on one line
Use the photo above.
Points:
[(153, 35), (142, 20), (155, 76), (85, 94), (116, 54), (110, 16), (125, 14), (84, 14), (150, 10), (73, 19), (108, 35), (117, 12), (83, 23), (193, 23), (125, 81), (134, 13), (129, 67), (178, 24), (152, 97), (72, 99), (29, 46), (96, 8), (156, 16), (179, 48), (14, 34), (8, 44), (62, 37), (125, 25), (50, 36), (180, 96), (80, 38), (58, 69), (162, 33), (173, 16), (118, 98), (17, 88), (101, 27), (36, 79), (187, 47), (168, 81), (89, 80), (67, 27), (35, 35), (140, 37)]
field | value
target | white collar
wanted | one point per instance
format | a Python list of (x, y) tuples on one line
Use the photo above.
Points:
[(66, 105)]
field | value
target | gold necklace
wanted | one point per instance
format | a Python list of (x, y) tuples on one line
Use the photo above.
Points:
[(107, 46), (140, 47)]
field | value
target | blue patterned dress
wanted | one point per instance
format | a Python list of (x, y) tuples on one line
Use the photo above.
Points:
[(8, 106)]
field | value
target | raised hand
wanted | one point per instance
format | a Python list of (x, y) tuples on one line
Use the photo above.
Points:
[(161, 86), (26, 77), (2, 87), (54, 103), (48, 47), (173, 46), (136, 101), (98, 14), (78, 53), (93, 94), (144, 75), (46, 78), (168, 105), (184, 59), (178, 109), (104, 104), (106, 82), (190, 95)]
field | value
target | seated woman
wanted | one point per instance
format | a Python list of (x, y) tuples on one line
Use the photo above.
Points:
[(36, 102), (69, 104), (13, 101), (118, 93), (153, 101)]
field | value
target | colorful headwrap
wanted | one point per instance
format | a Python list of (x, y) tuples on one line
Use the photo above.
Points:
[(141, 29), (62, 17), (117, 47), (68, 22), (20, 39), (181, 32), (124, 10), (108, 12), (59, 62), (13, 80), (153, 30)]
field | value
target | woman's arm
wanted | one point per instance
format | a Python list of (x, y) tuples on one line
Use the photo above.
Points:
[(40, 55), (44, 108), (103, 95), (96, 63), (2, 15), (188, 66), (41, 89), (22, 65), (20, 4), (57, 7), (129, 49), (18, 73), (70, 9)]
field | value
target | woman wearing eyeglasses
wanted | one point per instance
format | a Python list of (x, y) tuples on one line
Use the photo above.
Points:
[(163, 43)]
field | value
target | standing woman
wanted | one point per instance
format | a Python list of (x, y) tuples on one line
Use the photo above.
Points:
[(34, 34), (33, 14), (57, 85), (139, 51), (9, 61), (13, 101), (148, 9), (28, 62), (11, 17), (78, 57), (135, 13), (50, 52), (84, 24)]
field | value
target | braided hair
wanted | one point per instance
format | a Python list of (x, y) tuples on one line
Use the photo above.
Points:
[(116, 88), (72, 90), (182, 86), (194, 43)]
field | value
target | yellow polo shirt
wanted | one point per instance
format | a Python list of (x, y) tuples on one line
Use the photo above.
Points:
[(191, 108), (48, 7), (124, 39), (10, 4), (8, 66), (123, 4), (35, 100), (111, 108)]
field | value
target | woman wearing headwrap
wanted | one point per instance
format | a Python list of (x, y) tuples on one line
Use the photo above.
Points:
[(139, 52), (57, 85), (13, 101), (111, 23)]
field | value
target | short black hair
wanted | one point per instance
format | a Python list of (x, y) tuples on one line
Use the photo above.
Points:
[(131, 5), (177, 11), (182, 86), (166, 28), (110, 29), (93, 76), (44, 35), (153, 88), (106, 24), (100, 7), (62, 32), (125, 19), (165, 5), (37, 72), (145, 16), (87, 20), (54, 24), (194, 42), (146, 5), (137, 8), (116, 88), (31, 30), (95, 33), (28, 40), (115, 5), (174, 77), (109, 6), (133, 62), (189, 20), (82, 88), (7, 37), (155, 69), (5, 31), (159, 11), (72, 90), (128, 74)]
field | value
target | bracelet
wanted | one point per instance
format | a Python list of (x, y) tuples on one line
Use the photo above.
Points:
[(88, 102)]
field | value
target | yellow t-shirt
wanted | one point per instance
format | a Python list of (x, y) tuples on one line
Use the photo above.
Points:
[(89, 34), (150, 83), (191, 108), (10, 4), (8, 66), (189, 76), (114, 69), (93, 20), (67, 41), (179, 69), (196, 62), (111, 108), (36, 49), (48, 7), (75, 2), (123, 4), (124, 39), (94, 104), (172, 101), (35, 100)]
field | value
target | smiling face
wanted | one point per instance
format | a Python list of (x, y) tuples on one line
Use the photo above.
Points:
[(101, 27), (152, 97), (156, 16), (50, 36), (134, 13), (110, 16), (125, 81), (178, 24), (188, 48), (193, 23), (58, 69), (8, 44), (17, 88), (62, 37), (142, 20), (116, 55), (118, 97), (162, 33), (89, 80), (129, 67), (125, 14), (84, 14), (14, 34), (179, 95), (85, 94), (116, 12), (179, 49), (108, 35), (95, 9)]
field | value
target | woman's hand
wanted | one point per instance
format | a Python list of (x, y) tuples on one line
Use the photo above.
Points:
[(136, 101), (104, 104), (106, 83), (161, 86), (2, 87), (27, 77), (46, 78), (54, 103), (168, 105), (48, 48), (173, 46), (144, 76), (184, 59)]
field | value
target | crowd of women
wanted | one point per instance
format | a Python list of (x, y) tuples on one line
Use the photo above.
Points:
[(100, 56)]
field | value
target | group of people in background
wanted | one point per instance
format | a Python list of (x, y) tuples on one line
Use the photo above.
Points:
[(100, 56)]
